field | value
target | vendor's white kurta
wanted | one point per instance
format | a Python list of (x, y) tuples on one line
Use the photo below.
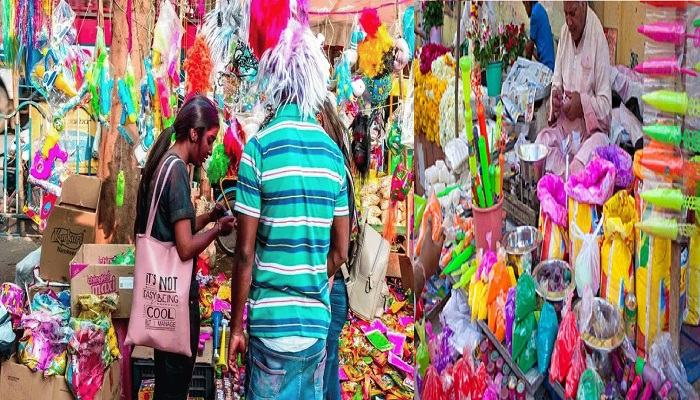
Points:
[(583, 69)]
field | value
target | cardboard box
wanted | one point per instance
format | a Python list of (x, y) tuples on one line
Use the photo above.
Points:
[(206, 356), (17, 382), (92, 272), (71, 224)]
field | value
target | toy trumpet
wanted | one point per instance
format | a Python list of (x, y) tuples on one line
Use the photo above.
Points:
[(663, 66), (672, 134), (667, 32), (672, 102), (221, 360)]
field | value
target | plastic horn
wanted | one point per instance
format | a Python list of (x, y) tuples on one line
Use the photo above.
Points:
[(663, 66), (666, 32), (672, 199), (465, 65), (216, 324), (672, 134), (666, 228), (668, 101), (221, 361)]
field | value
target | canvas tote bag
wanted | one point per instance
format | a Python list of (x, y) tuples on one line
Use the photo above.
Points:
[(160, 310)]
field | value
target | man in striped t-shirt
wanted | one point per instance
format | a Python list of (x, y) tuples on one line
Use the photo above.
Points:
[(293, 220)]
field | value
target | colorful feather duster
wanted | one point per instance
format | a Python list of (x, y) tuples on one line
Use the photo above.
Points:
[(409, 33), (268, 18), (198, 67), (296, 71), (372, 51), (234, 140), (218, 165)]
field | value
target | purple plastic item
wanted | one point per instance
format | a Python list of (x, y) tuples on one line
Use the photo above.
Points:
[(593, 184), (622, 162), (487, 261), (400, 364), (398, 340), (510, 318), (406, 320), (550, 192)]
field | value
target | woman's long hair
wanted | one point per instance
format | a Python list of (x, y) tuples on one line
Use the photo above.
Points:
[(198, 113)]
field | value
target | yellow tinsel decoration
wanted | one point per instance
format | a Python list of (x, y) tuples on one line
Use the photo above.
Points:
[(370, 52)]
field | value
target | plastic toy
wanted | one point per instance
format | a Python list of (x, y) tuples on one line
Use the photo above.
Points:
[(672, 134), (667, 32), (672, 102), (666, 228), (663, 66), (671, 198)]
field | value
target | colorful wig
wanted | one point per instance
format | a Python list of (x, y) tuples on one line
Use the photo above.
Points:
[(198, 67), (295, 70)]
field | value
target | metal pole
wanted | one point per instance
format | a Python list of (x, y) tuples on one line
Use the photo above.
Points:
[(458, 41)]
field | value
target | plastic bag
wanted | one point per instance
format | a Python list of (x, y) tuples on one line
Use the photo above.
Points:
[(43, 345), (7, 335), (432, 385), (547, 329), (99, 309), (12, 297), (567, 338), (496, 317), (522, 333), (594, 184), (553, 217), (24, 271), (86, 367), (578, 365), (587, 261), (510, 317), (590, 386), (50, 303), (667, 362), (525, 300), (528, 357), (456, 315), (617, 252)]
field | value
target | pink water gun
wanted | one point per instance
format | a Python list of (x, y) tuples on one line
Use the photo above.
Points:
[(164, 98), (668, 32), (663, 66)]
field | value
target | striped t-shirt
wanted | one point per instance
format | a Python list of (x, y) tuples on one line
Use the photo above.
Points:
[(292, 178)]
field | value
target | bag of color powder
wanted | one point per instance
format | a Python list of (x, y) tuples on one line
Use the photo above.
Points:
[(617, 253)]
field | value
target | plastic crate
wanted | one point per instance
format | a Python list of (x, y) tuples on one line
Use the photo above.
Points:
[(202, 385)]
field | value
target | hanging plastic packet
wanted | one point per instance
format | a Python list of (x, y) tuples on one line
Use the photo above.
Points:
[(98, 310), (12, 297), (590, 386), (86, 366), (120, 189), (567, 338)]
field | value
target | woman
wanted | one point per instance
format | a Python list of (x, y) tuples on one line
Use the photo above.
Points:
[(329, 120), (195, 128)]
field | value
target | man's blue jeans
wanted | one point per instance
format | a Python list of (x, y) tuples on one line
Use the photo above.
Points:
[(339, 315), (275, 375)]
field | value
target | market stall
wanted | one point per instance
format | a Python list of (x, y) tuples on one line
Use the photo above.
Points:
[(555, 285)]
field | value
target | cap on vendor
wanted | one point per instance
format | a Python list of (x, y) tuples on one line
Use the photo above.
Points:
[(580, 103)]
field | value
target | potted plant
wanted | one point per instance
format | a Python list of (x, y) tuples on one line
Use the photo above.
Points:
[(496, 51)]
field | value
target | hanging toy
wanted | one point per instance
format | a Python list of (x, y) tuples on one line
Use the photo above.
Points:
[(268, 18), (672, 134), (358, 87), (344, 80), (402, 55), (371, 51), (43, 166), (668, 32), (233, 144), (120, 189), (409, 32), (198, 67)]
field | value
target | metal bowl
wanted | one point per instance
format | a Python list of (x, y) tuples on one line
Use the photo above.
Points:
[(612, 323), (532, 152), (543, 291), (522, 240)]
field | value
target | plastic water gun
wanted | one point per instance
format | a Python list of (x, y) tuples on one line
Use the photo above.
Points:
[(667, 228), (125, 97), (663, 66), (59, 81), (672, 199), (221, 360), (468, 270), (120, 189), (680, 5), (672, 134), (148, 67), (164, 98), (459, 258), (667, 32), (203, 337), (422, 354), (216, 318), (43, 167), (131, 84)]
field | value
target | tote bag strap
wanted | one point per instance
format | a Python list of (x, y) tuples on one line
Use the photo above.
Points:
[(154, 202)]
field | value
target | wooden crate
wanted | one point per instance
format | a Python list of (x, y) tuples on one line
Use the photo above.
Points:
[(519, 212)]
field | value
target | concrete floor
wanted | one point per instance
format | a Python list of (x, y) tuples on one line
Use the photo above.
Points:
[(13, 250)]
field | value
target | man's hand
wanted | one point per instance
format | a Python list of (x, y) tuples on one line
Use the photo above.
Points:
[(226, 225), (217, 212), (573, 108), (557, 95), (236, 347), (430, 252), (529, 49)]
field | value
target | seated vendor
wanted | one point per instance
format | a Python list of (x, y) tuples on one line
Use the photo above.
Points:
[(581, 99), (540, 34)]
